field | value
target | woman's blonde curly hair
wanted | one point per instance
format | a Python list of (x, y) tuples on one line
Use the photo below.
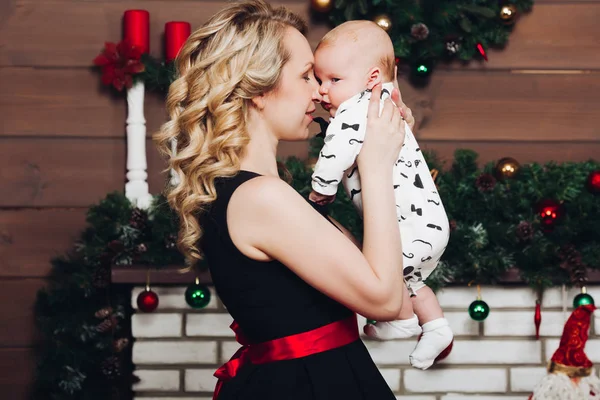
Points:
[(237, 55)]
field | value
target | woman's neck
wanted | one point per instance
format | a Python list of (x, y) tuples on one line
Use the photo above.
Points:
[(260, 155)]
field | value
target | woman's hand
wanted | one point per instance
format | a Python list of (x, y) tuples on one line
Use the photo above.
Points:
[(384, 136), (397, 99)]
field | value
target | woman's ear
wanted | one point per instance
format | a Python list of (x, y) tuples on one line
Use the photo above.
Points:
[(374, 77), (259, 102)]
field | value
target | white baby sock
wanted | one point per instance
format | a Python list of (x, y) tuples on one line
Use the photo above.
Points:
[(398, 329), (436, 337)]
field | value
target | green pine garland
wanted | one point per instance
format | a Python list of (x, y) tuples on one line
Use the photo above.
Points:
[(82, 316), (427, 32), (86, 354)]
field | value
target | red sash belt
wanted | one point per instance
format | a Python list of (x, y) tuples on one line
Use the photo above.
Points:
[(330, 336)]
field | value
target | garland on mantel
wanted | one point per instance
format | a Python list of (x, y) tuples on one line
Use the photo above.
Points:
[(541, 219)]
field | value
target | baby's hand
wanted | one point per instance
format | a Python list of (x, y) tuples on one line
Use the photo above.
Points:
[(320, 199)]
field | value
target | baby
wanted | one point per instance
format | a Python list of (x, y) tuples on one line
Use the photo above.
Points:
[(349, 61)]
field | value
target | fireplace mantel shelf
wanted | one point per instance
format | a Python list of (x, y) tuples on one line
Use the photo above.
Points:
[(173, 275)]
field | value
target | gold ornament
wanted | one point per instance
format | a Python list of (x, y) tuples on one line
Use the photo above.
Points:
[(507, 168), (508, 14), (321, 6), (383, 21)]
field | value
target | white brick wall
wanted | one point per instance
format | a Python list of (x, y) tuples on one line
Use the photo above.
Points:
[(468, 380), (177, 348), (159, 380), (174, 352), (156, 325), (523, 379), (200, 380)]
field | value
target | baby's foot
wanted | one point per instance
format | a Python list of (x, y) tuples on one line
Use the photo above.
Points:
[(399, 329), (437, 336)]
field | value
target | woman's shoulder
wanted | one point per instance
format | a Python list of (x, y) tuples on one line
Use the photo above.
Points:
[(263, 189)]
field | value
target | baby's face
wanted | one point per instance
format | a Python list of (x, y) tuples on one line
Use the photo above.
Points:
[(341, 74)]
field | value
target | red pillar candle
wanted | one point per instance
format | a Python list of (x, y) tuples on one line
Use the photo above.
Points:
[(176, 33), (136, 28)]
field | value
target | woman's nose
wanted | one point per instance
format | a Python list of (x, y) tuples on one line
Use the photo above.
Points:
[(317, 95)]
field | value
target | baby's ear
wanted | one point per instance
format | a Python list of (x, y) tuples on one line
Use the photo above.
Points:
[(374, 77)]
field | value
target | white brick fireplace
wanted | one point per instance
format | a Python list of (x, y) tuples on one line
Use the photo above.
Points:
[(177, 348)]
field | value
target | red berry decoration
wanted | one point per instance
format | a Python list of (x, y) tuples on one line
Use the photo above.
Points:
[(550, 211), (147, 301), (593, 182)]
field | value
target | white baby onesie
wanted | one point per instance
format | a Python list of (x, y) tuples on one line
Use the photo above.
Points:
[(421, 216)]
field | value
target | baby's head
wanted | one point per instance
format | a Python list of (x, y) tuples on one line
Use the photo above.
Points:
[(352, 57)]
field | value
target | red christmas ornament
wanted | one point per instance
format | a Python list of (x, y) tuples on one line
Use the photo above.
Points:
[(397, 59), (176, 33), (482, 51), (119, 63), (136, 29), (147, 301), (550, 211), (445, 353), (537, 318), (593, 182)]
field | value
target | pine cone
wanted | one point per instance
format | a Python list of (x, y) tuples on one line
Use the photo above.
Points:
[(120, 344), (138, 219), (525, 231), (103, 312), (105, 325), (485, 182), (419, 31), (101, 278), (111, 367), (578, 275), (569, 256)]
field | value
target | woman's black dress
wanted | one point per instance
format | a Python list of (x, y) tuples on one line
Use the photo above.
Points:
[(269, 301)]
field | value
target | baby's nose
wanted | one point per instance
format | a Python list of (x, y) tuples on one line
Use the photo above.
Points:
[(323, 90)]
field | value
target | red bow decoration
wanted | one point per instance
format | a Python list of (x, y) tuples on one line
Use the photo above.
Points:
[(119, 62)]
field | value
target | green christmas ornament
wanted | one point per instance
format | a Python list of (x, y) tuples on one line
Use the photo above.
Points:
[(583, 299), (197, 295), (422, 69), (479, 310)]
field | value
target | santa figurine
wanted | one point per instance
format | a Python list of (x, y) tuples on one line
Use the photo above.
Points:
[(571, 375)]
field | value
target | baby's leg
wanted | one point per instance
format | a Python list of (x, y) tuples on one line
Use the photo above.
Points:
[(405, 326), (426, 305), (437, 334)]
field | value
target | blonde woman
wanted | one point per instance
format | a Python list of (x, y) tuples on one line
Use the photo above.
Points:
[(292, 279)]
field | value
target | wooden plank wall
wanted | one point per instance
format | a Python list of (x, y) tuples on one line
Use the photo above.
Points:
[(62, 144)]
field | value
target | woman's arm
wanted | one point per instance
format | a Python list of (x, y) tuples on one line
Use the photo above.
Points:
[(346, 232), (268, 219)]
